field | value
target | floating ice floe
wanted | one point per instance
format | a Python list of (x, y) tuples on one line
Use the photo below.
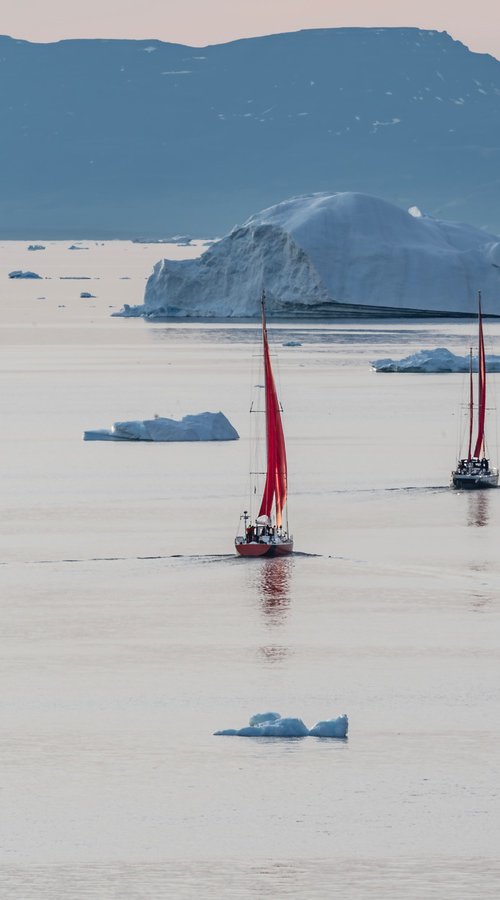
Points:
[(292, 344), (205, 426), (36, 247), (271, 724), (438, 360), (331, 728), (129, 312), (86, 295), (18, 273)]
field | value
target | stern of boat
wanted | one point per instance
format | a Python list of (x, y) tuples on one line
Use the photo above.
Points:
[(474, 481), (280, 546)]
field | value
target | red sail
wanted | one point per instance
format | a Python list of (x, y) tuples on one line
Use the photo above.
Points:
[(276, 477), (471, 407), (481, 401)]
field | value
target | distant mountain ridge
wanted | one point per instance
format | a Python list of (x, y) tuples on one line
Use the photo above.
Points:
[(113, 138)]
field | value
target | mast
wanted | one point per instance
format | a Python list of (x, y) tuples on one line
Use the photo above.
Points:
[(481, 401), (275, 488), (471, 406)]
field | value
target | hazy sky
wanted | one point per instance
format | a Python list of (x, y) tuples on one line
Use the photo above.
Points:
[(200, 22)]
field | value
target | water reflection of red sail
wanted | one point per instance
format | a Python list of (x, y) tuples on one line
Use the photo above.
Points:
[(275, 587), (267, 535), (478, 512), (474, 472)]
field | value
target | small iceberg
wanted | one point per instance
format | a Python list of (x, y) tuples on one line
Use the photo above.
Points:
[(86, 295), (129, 312), (36, 247), (76, 247), (271, 724), (18, 273), (438, 360), (292, 344), (205, 426), (331, 728)]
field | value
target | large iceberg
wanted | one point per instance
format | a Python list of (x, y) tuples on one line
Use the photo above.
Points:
[(438, 360), (333, 255), (271, 724), (205, 426)]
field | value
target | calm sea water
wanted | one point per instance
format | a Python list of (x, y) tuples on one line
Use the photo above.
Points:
[(130, 631)]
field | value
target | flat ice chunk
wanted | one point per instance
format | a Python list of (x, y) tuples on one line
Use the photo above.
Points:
[(205, 426), (131, 431), (287, 728), (331, 728), (438, 360), (129, 312), (271, 724), (101, 434), (18, 273)]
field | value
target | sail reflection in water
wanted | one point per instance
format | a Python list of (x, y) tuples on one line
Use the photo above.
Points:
[(478, 510), (274, 653), (274, 584)]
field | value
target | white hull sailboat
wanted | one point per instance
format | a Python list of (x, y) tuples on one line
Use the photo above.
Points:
[(267, 534), (474, 472)]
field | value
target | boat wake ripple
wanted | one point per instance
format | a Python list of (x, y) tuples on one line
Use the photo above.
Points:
[(190, 557), (404, 489)]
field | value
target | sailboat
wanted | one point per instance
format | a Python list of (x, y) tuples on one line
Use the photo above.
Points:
[(474, 472), (267, 534)]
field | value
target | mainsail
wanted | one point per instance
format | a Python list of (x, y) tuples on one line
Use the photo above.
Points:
[(481, 400), (471, 407), (276, 477), (475, 472)]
